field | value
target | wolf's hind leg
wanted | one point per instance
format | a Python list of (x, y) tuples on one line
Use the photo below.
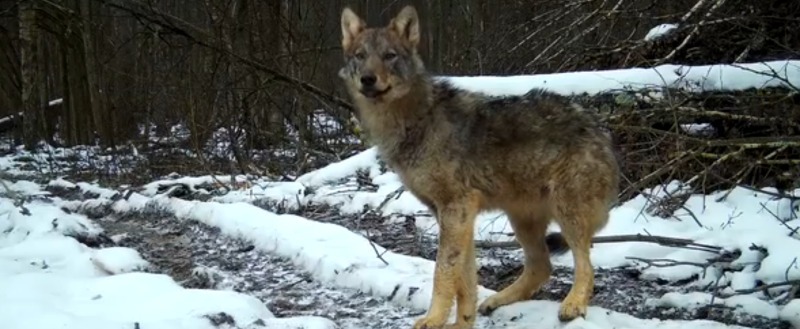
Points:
[(530, 233), (578, 223)]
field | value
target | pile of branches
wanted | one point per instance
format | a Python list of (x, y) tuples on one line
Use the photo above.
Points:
[(710, 140)]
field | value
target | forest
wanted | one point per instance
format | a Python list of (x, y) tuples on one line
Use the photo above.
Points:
[(213, 141)]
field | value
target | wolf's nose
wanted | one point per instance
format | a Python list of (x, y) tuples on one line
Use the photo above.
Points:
[(368, 80)]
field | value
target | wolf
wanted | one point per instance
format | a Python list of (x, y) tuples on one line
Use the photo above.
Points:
[(538, 157)]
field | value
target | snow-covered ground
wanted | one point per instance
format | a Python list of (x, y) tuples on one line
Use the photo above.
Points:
[(37, 251), (48, 278)]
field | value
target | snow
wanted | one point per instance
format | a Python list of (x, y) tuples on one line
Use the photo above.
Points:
[(659, 31), (152, 187), (50, 280), (339, 257), (699, 78), (791, 313), (522, 315), (702, 129), (696, 300), (342, 169), (116, 260)]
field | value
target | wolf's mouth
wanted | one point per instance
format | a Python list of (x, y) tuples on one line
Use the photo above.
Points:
[(374, 93)]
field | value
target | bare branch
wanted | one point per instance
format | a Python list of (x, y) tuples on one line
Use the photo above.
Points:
[(661, 240)]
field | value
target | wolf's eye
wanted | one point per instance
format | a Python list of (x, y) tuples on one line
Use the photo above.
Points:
[(361, 55), (389, 56)]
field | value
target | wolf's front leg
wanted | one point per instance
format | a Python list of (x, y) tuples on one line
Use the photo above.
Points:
[(455, 275), (467, 292)]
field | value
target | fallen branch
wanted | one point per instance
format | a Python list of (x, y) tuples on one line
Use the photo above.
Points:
[(722, 258), (661, 240), (665, 262)]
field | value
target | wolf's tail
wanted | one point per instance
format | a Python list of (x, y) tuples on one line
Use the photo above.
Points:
[(556, 244)]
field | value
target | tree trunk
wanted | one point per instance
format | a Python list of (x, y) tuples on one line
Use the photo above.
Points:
[(31, 78), (92, 83), (10, 93)]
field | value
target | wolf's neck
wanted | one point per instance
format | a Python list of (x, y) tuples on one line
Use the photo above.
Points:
[(403, 120)]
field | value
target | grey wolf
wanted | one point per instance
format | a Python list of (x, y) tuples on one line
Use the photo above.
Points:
[(538, 157)]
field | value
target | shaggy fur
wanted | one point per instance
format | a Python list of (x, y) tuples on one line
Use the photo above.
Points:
[(537, 157)]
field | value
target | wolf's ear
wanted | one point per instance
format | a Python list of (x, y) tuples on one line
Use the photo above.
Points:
[(406, 23), (352, 25)]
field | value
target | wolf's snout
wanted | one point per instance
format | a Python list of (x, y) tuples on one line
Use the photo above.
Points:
[(368, 81)]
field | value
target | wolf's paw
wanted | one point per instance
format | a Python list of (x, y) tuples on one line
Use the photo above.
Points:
[(429, 322), (424, 323), (489, 305), (571, 309)]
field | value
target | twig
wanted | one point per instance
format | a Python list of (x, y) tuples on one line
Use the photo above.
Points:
[(395, 194), (761, 288), (665, 262), (792, 231), (374, 248), (716, 289)]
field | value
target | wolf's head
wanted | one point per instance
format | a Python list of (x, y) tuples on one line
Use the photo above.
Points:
[(381, 64)]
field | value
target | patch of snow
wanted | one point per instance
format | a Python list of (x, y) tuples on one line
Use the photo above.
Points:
[(659, 31), (342, 169), (298, 322), (691, 78), (117, 260), (22, 186), (542, 313), (48, 300), (698, 129), (695, 300), (43, 219), (62, 183), (791, 313), (290, 194), (152, 187)]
